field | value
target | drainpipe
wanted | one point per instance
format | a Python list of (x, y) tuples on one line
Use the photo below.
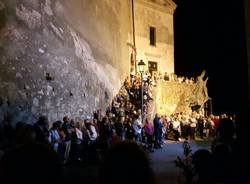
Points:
[(133, 28)]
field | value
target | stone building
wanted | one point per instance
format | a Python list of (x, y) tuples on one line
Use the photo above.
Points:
[(154, 34), (70, 57)]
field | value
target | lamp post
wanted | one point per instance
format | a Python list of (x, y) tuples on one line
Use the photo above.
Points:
[(141, 69)]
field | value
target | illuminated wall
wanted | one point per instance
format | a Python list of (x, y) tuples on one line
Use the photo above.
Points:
[(157, 14), (173, 97), (61, 57)]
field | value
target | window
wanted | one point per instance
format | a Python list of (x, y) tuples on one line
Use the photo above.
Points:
[(152, 66), (152, 36)]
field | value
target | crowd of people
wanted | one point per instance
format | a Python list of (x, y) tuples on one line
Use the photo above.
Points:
[(110, 142), (220, 163), (76, 140), (172, 77), (191, 126)]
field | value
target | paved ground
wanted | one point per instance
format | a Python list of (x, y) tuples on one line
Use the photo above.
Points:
[(162, 161)]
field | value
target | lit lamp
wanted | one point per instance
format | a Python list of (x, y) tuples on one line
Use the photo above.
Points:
[(141, 68)]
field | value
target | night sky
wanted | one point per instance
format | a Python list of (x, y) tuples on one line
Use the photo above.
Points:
[(210, 35)]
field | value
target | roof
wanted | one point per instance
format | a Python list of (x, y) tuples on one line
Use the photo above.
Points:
[(163, 5)]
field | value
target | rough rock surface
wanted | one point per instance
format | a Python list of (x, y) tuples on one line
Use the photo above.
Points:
[(53, 60), (175, 97)]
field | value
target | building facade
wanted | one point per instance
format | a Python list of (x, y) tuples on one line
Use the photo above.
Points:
[(83, 46), (154, 34)]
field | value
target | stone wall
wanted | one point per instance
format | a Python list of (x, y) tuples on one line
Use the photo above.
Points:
[(148, 14), (173, 97), (61, 57)]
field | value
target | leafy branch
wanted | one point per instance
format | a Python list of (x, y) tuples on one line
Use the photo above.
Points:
[(186, 163)]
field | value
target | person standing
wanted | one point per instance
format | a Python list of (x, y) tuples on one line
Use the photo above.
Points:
[(119, 128), (201, 126), (42, 131), (68, 130), (54, 136), (157, 131), (149, 131), (137, 128)]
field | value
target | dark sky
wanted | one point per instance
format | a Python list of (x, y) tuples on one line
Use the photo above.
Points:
[(210, 35)]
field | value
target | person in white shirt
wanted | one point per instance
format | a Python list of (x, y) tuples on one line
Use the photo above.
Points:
[(137, 127), (177, 125), (91, 131), (54, 136)]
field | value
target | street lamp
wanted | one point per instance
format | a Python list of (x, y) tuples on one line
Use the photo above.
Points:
[(141, 68)]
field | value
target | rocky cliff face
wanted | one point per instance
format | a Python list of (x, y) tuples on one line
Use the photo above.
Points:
[(61, 57)]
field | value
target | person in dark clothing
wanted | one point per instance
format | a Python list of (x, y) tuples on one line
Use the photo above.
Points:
[(119, 128), (25, 134), (200, 127), (226, 154), (129, 133), (105, 133), (157, 131), (126, 163), (68, 130), (7, 132), (202, 161), (30, 163), (42, 131)]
